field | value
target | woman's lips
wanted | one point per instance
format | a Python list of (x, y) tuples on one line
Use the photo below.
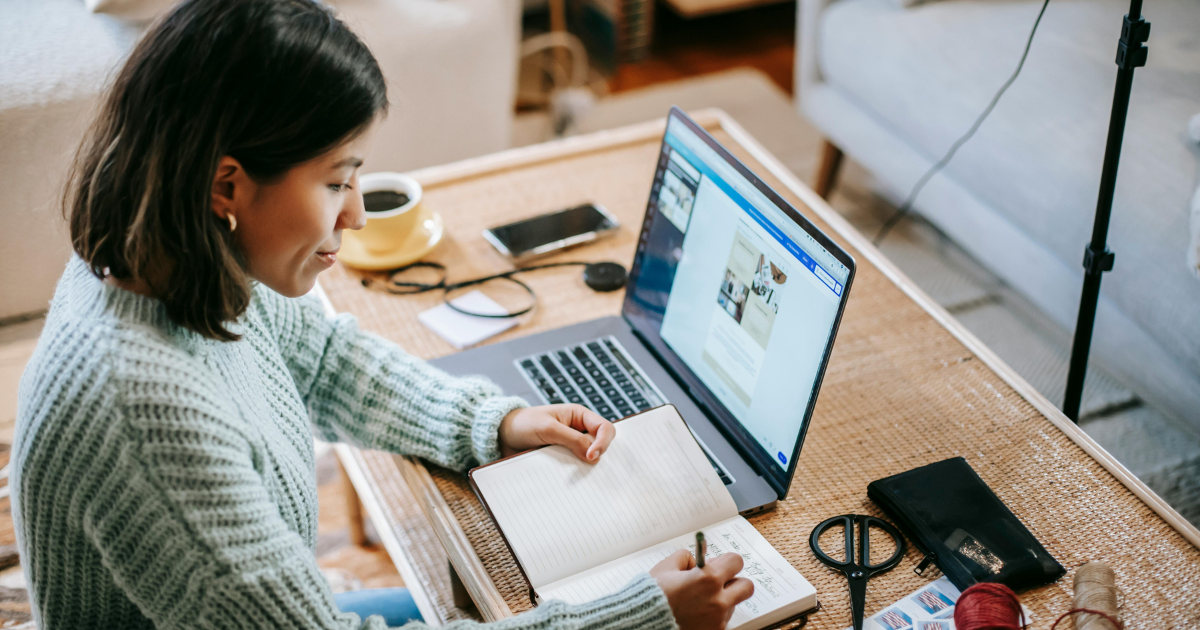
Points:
[(329, 257)]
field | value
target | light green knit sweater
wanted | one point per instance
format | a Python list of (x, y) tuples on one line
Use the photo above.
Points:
[(162, 480)]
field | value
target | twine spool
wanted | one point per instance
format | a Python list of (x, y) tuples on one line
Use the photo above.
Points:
[(1095, 603), (988, 606), (1095, 589)]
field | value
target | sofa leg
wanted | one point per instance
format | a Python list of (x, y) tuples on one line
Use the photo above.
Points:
[(831, 161)]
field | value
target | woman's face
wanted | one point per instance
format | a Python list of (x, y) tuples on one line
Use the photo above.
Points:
[(290, 230)]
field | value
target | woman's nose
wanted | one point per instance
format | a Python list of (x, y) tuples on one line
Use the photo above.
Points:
[(354, 213)]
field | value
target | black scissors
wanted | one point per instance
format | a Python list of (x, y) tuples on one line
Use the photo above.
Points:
[(857, 572)]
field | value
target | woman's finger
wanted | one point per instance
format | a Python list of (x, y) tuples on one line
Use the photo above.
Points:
[(726, 566), (578, 417), (681, 560), (563, 435), (601, 430), (739, 590), (587, 421)]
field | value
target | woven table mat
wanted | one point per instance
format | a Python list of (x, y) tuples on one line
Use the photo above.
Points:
[(900, 392)]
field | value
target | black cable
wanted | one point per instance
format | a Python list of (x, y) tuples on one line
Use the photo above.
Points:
[(402, 287), (912, 196), (506, 275)]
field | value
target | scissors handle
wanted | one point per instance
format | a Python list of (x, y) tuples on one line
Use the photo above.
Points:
[(814, 541), (864, 537), (857, 566), (858, 557)]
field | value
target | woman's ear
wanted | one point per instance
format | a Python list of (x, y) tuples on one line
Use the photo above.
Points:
[(231, 188)]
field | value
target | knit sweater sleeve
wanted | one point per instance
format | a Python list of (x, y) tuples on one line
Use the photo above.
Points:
[(641, 604), (182, 518), (366, 390)]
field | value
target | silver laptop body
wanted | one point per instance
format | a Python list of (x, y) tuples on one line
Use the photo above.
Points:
[(730, 313)]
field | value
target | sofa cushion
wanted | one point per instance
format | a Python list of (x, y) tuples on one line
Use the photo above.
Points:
[(134, 10), (57, 57), (56, 51), (928, 71)]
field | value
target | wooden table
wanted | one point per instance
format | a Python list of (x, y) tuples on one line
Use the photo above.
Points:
[(906, 385)]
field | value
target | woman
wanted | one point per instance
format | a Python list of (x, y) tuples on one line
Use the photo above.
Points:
[(163, 470)]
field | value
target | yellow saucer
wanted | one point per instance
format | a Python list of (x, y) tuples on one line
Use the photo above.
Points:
[(420, 242)]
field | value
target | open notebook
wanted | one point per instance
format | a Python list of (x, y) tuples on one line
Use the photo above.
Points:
[(581, 531)]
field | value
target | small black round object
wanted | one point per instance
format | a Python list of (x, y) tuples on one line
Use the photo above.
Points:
[(604, 276)]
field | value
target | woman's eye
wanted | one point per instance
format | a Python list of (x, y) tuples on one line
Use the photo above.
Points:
[(339, 187)]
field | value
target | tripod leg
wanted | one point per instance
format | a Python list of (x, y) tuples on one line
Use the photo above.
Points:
[(1131, 53)]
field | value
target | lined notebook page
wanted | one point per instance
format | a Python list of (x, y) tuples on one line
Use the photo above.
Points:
[(562, 516), (779, 590)]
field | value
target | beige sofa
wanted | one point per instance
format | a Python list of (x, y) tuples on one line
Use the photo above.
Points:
[(450, 64), (893, 88)]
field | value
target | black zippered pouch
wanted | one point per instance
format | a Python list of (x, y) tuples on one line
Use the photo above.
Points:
[(960, 525)]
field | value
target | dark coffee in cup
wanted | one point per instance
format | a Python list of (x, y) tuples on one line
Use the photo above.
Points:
[(384, 200), (393, 211)]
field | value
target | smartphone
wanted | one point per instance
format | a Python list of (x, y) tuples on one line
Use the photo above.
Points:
[(551, 232)]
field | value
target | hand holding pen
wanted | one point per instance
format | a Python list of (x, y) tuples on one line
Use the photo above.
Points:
[(702, 594)]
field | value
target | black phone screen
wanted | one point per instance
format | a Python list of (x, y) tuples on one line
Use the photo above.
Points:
[(527, 235)]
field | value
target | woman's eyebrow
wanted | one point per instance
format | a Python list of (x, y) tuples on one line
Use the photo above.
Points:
[(350, 161)]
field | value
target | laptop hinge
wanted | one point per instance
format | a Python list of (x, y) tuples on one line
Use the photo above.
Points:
[(758, 510)]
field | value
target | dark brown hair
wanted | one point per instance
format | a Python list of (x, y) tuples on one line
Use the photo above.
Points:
[(272, 83)]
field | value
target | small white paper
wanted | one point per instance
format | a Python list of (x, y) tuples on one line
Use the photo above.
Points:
[(463, 330)]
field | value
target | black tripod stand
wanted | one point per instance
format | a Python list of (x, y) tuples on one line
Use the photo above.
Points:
[(1131, 53)]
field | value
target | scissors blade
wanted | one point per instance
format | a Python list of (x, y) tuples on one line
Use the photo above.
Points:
[(858, 597)]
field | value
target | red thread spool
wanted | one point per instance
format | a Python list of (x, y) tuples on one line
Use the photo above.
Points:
[(988, 606)]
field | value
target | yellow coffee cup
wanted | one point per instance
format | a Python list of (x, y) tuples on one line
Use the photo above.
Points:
[(388, 227)]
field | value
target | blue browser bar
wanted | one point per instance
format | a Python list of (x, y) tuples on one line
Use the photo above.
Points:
[(820, 272)]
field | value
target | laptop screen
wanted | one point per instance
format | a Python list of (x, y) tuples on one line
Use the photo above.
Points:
[(734, 285)]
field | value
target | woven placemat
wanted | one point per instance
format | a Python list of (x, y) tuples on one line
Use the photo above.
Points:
[(900, 392)]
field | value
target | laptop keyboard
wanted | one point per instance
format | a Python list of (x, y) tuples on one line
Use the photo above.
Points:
[(599, 375)]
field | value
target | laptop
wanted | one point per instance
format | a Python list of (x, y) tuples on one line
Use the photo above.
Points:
[(730, 312)]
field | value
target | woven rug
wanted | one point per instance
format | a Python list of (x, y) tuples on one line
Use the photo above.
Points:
[(16, 345), (14, 598)]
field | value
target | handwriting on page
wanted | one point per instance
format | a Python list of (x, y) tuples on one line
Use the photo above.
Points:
[(776, 583), (563, 516), (766, 588)]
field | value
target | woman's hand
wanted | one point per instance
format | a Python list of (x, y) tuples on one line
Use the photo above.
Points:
[(702, 599), (576, 427)]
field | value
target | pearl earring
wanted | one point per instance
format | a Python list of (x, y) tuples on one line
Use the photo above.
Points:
[(232, 222)]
